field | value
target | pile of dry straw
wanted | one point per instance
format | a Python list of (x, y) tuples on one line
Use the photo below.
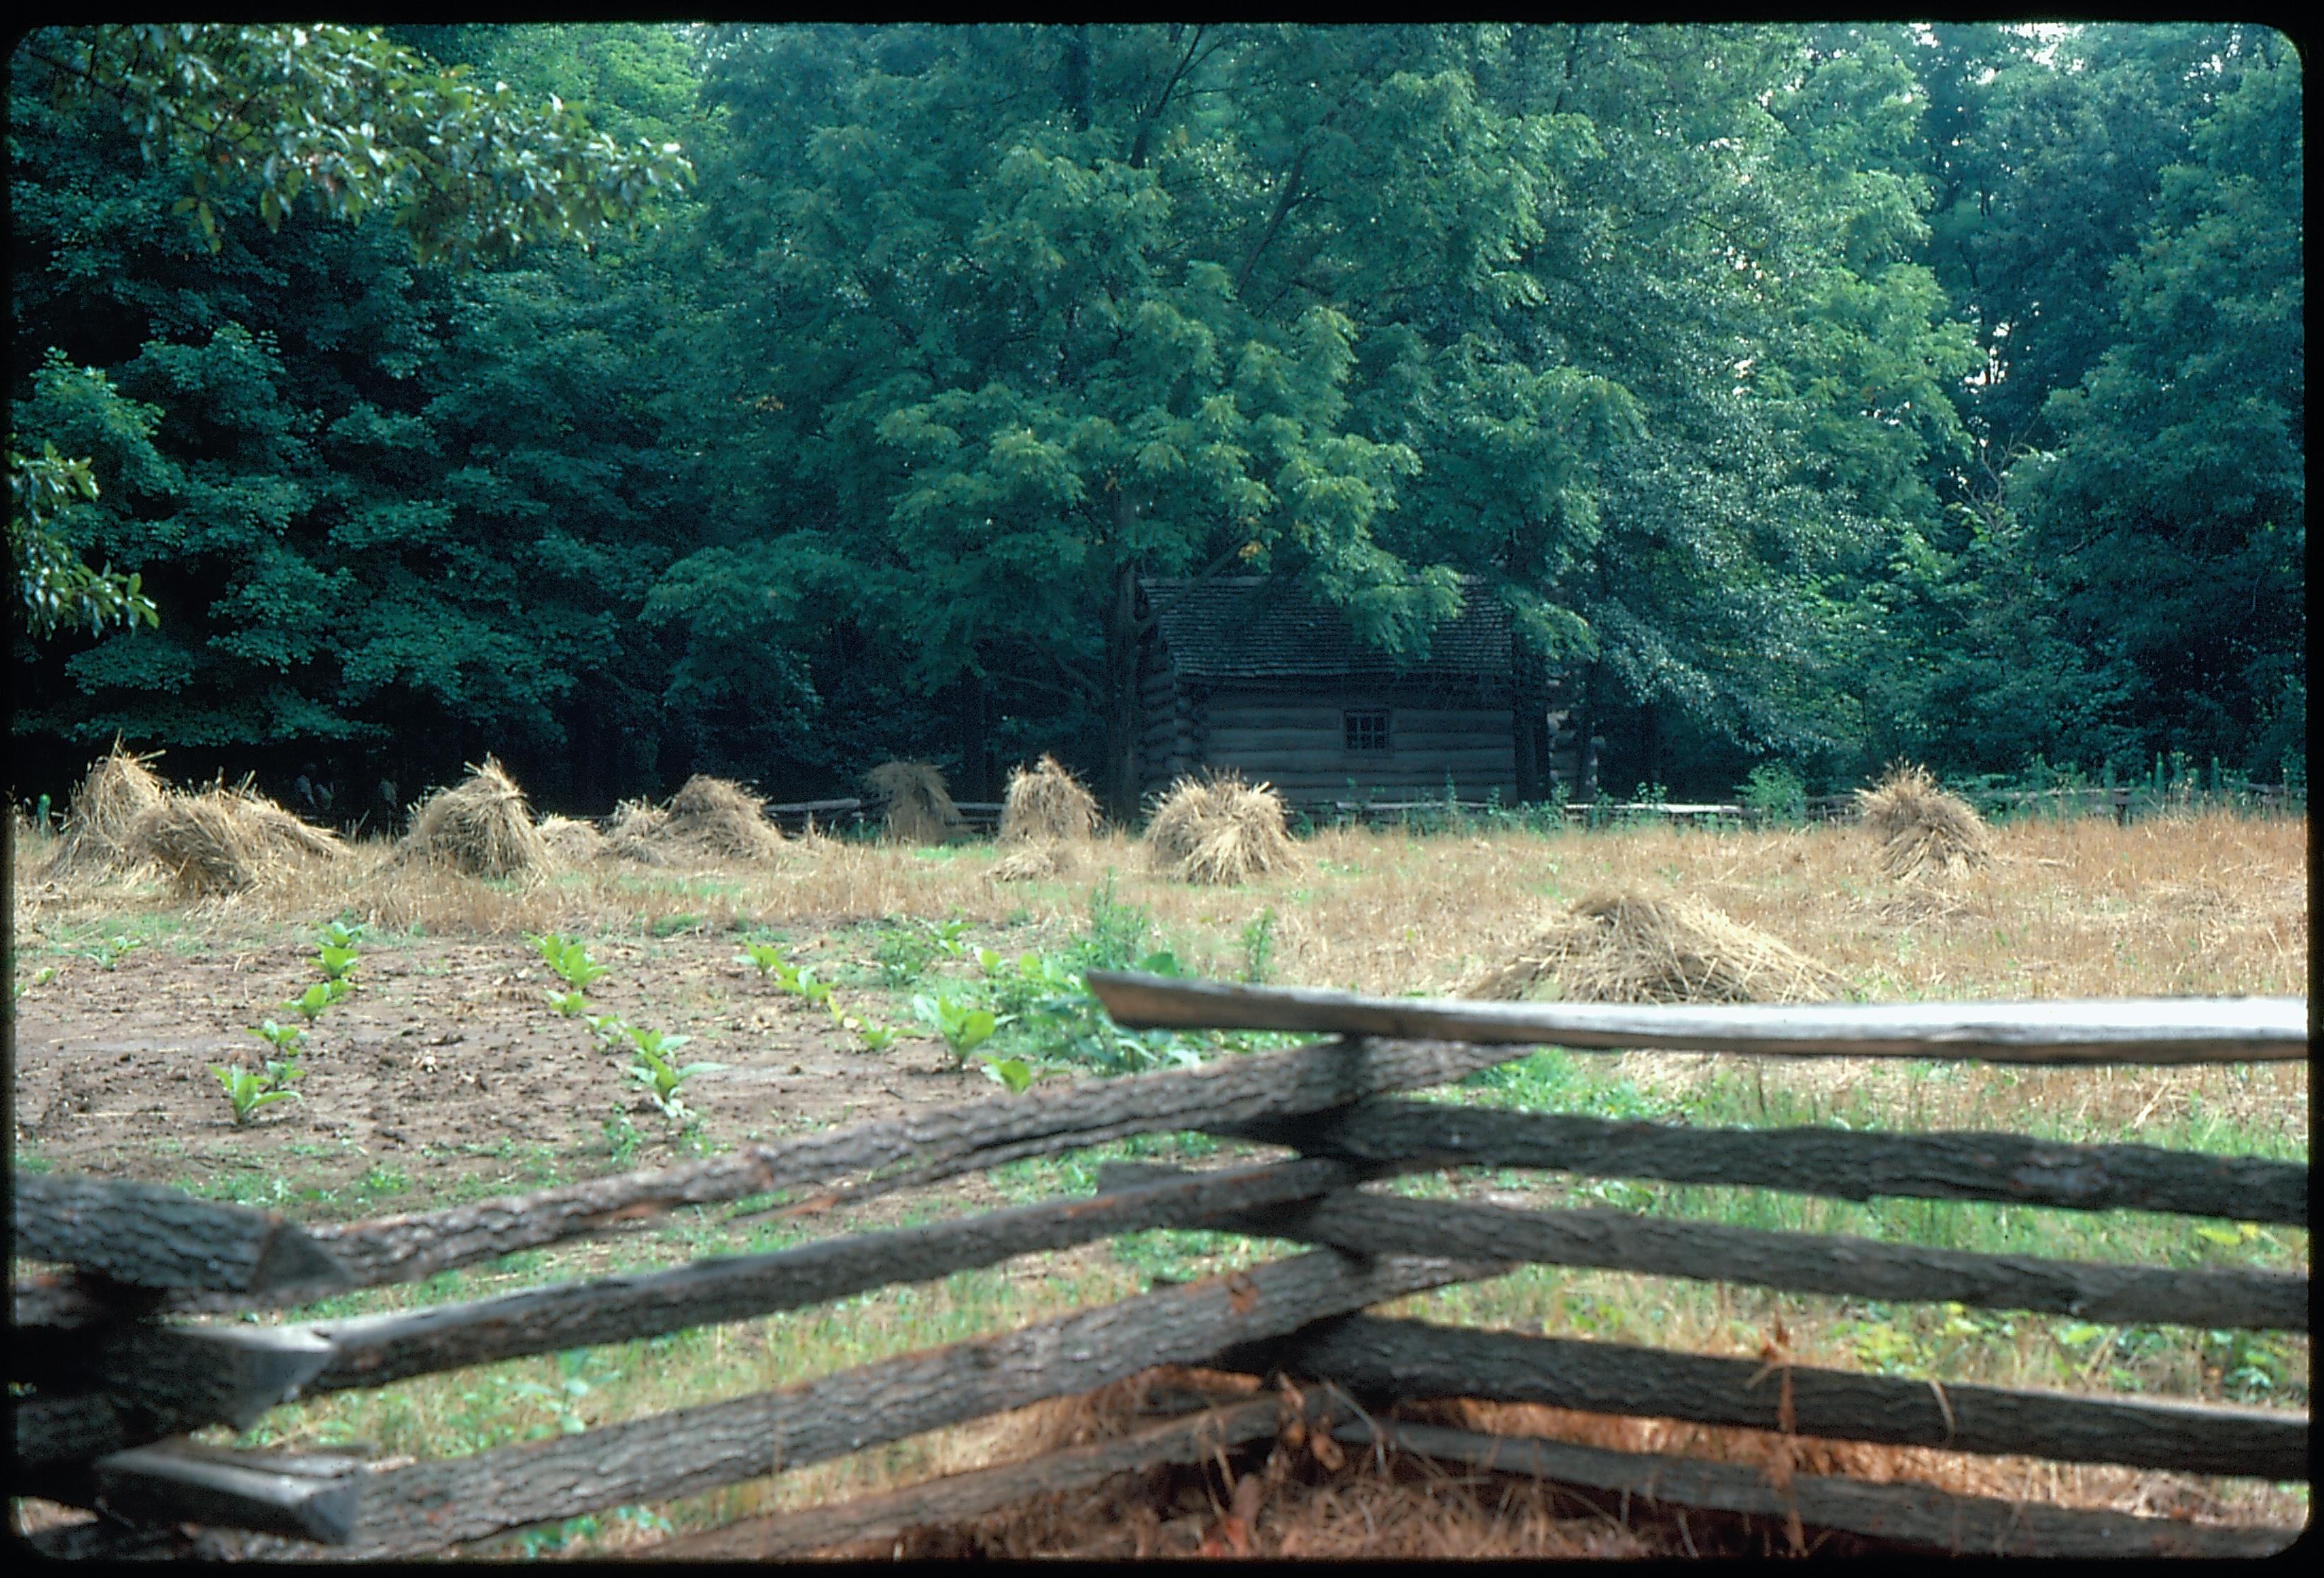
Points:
[(220, 840), (708, 820), (1925, 833), (1047, 818), (913, 800), (479, 826), (1627, 947), (1219, 831)]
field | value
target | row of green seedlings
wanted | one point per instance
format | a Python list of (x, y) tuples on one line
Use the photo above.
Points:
[(653, 1060), (248, 1089), (105, 956), (800, 981), (1040, 1007), (962, 1027)]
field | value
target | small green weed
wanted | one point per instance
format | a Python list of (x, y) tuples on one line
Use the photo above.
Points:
[(248, 1089), (653, 1066), (1259, 949), (113, 949), (568, 959), (964, 1027), (319, 996)]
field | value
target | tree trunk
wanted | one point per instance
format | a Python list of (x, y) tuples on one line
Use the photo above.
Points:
[(1122, 691), (1585, 733), (975, 746), (1527, 721)]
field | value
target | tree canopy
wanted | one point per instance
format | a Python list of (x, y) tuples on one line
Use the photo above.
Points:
[(1817, 394)]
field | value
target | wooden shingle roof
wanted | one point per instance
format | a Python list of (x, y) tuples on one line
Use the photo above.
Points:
[(1256, 627)]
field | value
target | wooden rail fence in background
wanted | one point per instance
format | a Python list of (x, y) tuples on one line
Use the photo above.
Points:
[(113, 1368)]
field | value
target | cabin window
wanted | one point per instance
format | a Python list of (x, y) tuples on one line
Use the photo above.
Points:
[(1368, 731)]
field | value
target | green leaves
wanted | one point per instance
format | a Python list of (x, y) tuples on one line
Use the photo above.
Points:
[(345, 118), (247, 1091), (567, 958), (963, 1027), (310, 1003), (54, 589), (654, 1068)]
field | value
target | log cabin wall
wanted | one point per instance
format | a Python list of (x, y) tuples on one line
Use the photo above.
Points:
[(1235, 675)]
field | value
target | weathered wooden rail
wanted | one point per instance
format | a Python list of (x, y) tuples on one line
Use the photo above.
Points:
[(114, 1366)]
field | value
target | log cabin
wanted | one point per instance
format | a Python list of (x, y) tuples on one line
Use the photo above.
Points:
[(1246, 672)]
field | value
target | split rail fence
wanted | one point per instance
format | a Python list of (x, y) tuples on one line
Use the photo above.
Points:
[(114, 1362)]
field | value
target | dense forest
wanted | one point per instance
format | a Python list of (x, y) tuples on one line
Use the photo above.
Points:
[(795, 396)]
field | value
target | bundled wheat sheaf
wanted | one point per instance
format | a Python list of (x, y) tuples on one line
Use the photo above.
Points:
[(1046, 801), (637, 833), (572, 843), (224, 840), (1627, 947), (1219, 831), (1923, 832), (718, 817), (1046, 816), (914, 801), (120, 788), (480, 826)]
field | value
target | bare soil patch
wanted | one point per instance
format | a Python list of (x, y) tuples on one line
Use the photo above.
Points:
[(448, 1054)]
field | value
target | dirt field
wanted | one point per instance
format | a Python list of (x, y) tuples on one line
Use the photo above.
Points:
[(447, 1064)]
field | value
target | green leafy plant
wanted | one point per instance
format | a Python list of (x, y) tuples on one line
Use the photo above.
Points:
[(335, 963), (1012, 1074), (876, 1038), (654, 1067), (1776, 792), (567, 1003), (568, 959), (1258, 947), (622, 1137), (288, 1041), (113, 949), (606, 1029), (964, 1027), (40, 977), (765, 955), (311, 1002), (248, 1089)]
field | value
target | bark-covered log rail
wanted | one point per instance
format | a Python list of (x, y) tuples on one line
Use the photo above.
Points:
[(1623, 1240), (2084, 1030), (429, 1505), (1388, 1358), (1404, 1136), (924, 1147), (1907, 1514)]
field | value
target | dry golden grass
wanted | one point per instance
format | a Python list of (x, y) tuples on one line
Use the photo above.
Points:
[(1035, 862), (719, 819), (571, 841), (222, 841)]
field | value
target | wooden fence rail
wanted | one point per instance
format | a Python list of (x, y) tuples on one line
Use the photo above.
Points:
[(112, 1376)]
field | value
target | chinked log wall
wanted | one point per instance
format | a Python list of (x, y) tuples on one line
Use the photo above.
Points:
[(1295, 739), (112, 1369)]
